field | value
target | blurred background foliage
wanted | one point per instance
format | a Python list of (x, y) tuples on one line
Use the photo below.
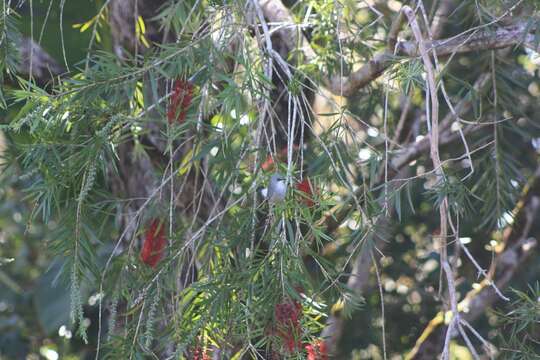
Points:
[(35, 297)]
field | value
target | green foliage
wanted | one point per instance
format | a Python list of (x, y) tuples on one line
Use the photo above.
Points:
[(77, 152), (520, 337)]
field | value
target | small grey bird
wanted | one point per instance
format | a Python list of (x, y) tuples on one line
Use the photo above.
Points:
[(276, 190)]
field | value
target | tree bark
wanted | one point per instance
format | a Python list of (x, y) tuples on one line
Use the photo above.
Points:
[(37, 63)]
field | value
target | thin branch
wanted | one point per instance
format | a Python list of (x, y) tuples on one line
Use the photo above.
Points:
[(416, 149), (276, 12), (432, 97), (381, 294)]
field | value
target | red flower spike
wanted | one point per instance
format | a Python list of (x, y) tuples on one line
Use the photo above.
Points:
[(200, 354), (154, 243), (311, 353), (281, 156), (180, 101), (317, 351), (289, 312), (268, 164), (288, 316), (291, 344), (305, 187)]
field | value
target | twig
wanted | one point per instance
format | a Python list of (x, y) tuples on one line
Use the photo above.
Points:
[(412, 152), (478, 336), (379, 283), (399, 128), (483, 273)]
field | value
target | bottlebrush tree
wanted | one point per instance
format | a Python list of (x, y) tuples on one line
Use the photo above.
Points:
[(132, 223)]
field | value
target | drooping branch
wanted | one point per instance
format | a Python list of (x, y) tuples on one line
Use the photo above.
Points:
[(137, 179), (434, 135), (359, 278), (413, 151), (363, 262), (290, 122)]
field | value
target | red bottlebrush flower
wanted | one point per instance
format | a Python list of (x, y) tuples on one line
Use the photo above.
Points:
[(268, 164), (281, 156), (201, 354), (180, 101), (291, 343), (307, 189), (288, 316), (288, 312), (311, 352), (317, 351), (154, 243)]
